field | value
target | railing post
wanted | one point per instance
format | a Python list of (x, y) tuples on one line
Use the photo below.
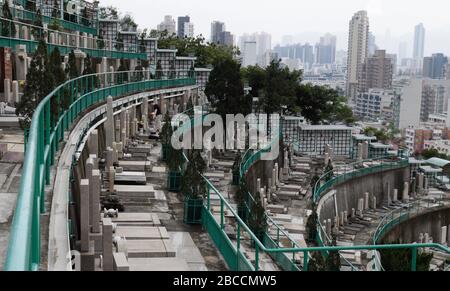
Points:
[(414, 259), (209, 198), (256, 256), (222, 215), (305, 261), (238, 245)]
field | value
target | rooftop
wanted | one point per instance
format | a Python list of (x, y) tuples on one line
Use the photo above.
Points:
[(325, 127)]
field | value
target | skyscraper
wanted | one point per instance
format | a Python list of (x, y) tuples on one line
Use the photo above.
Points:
[(376, 72), (263, 42), (167, 25), (249, 51), (358, 44), (434, 66), (419, 45), (188, 29), (217, 28), (181, 24), (326, 49)]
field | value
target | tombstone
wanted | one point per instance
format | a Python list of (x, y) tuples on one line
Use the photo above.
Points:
[(109, 124), (336, 224), (366, 201), (395, 198), (327, 159), (25, 34), (52, 38), (448, 234), (405, 196), (269, 183), (374, 202), (109, 158), (119, 146), (328, 227), (277, 178), (84, 215), (77, 39), (145, 114), (93, 143), (389, 200), (421, 238), (345, 217), (15, 92), (112, 175), (258, 184), (117, 133), (353, 212), (7, 88), (115, 153), (95, 198), (444, 235), (342, 220), (274, 177), (360, 207), (21, 64), (107, 244), (89, 168)]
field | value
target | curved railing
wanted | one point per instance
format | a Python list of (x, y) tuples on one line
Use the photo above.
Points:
[(28, 35), (79, 23), (397, 216), (286, 257), (53, 116)]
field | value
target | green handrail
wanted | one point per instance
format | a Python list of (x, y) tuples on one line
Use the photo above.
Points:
[(111, 49), (49, 122)]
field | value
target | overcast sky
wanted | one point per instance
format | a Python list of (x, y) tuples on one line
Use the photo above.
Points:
[(392, 21)]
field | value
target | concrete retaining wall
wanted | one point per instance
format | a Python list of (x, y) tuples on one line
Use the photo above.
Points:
[(429, 222), (348, 193)]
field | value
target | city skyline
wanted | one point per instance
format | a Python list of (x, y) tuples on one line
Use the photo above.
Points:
[(307, 27)]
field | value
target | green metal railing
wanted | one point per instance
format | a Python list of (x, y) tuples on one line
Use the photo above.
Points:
[(396, 217), (66, 20), (66, 42), (53, 116)]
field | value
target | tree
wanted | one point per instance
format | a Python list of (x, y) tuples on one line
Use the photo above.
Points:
[(381, 135), (39, 84), (241, 194), (280, 87), (225, 89), (109, 12), (37, 29), (8, 27), (256, 78), (58, 77), (71, 68), (193, 185), (159, 71), (100, 40), (166, 131), (333, 260), (398, 260), (316, 263), (434, 153), (257, 220), (311, 225)]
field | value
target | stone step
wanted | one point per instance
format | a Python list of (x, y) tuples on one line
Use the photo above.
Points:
[(142, 233), (131, 178), (150, 248)]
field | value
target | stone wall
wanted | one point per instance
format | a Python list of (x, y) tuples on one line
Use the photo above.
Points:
[(430, 222), (349, 193)]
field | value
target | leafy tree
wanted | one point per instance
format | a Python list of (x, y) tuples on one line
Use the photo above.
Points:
[(333, 260), (434, 153), (317, 263), (127, 23), (58, 77), (280, 87), (85, 17), (256, 78), (193, 185), (71, 68), (311, 225), (100, 41), (39, 84), (381, 135), (172, 71), (37, 30), (257, 220), (225, 89), (398, 260), (108, 12), (8, 27), (167, 130), (242, 193)]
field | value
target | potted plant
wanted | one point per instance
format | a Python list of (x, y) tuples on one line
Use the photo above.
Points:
[(257, 220), (166, 136), (193, 188)]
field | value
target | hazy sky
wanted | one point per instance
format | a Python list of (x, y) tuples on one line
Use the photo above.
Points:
[(391, 21)]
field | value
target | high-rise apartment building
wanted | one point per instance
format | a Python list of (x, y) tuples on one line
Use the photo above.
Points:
[(326, 49), (434, 66), (419, 45), (358, 45), (249, 51), (182, 20), (376, 72), (167, 25), (219, 35), (263, 42)]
